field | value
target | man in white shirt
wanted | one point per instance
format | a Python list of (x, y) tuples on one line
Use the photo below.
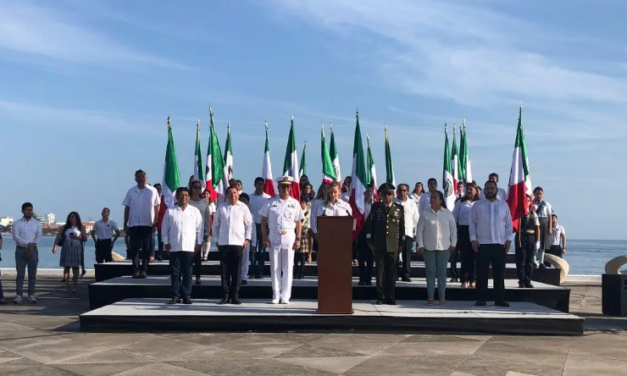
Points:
[(491, 236), (232, 231), (183, 233), (557, 238), (258, 200), (281, 229), (26, 233), (544, 210), (411, 221), (105, 233), (331, 207), (501, 194), (425, 198), (141, 214)]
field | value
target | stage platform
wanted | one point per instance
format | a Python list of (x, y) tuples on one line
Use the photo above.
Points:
[(124, 268), (117, 289), (410, 316)]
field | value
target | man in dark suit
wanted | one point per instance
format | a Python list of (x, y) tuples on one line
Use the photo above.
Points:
[(385, 234)]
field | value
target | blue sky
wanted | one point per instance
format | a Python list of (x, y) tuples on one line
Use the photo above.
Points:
[(86, 86)]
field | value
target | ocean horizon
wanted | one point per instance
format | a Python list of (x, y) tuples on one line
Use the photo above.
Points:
[(585, 257)]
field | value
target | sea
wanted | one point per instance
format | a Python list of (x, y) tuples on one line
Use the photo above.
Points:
[(585, 257)]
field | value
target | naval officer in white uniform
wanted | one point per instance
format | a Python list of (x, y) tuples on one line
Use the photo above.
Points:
[(282, 216)]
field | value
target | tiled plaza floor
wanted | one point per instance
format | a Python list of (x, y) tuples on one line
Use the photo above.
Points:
[(43, 340)]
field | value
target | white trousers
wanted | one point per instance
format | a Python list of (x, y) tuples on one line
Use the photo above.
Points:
[(204, 251), (245, 262), (281, 271)]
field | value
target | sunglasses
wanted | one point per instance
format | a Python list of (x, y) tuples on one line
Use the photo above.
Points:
[(388, 193)]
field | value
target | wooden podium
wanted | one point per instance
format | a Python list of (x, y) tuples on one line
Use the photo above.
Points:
[(335, 265)]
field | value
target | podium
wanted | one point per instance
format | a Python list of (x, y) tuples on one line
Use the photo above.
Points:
[(335, 265)]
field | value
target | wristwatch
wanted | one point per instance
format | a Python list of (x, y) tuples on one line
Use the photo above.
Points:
[(297, 239)]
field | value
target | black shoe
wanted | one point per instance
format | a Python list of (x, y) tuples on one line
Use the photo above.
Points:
[(259, 276), (454, 279), (235, 301), (135, 275), (198, 281), (542, 266), (361, 283), (390, 302), (529, 286), (244, 282), (502, 303), (379, 302), (175, 300), (368, 283), (480, 303), (223, 301), (406, 279), (521, 285), (143, 275), (187, 300)]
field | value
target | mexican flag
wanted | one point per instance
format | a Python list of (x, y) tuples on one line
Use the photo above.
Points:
[(455, 163), (199, 171), (447, 178), (266, 173), (171, 177), (371, 171), (335, 159), (228, 156), (215, 160), (465, 172), (389, 167), (303, 161), (209, 163), (290, 164), (359, 182), (328, 172), (519, 177)]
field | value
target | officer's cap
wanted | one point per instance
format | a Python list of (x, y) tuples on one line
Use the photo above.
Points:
[(387, 187), (284, 180)]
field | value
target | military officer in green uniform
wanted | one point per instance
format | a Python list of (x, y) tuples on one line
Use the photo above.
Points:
[(385, 233)]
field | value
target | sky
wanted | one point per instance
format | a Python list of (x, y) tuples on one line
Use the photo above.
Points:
[(86, 87)]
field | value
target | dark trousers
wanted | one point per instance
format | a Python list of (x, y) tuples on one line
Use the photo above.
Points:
[(181, 273), (103, 251), (467, 255), (24, 261), (555, 250), (405, 268), (159, 251), (453, 262), (300, 258), (140, 243), (387, 264), (365, 257), (259, 255), (525, 257), (494, 253), (231, 266), (197, 264)]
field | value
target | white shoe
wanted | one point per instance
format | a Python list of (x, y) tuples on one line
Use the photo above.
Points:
[(285, 301), (31, 298), (18, 300), (275, 301)]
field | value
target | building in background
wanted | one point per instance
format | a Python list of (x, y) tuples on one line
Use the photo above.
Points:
[(6, 221), (89, 225), (41, 219), (50, 218)]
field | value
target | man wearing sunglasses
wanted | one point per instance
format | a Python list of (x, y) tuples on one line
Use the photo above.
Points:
[(385, 235)]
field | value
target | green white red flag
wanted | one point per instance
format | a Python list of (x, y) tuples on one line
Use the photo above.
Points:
[(519, 177), (455, 163), (447, 175), (328, 172), (371, 170), (465, 173), (359, 182), (199, 170), (389, 167), (303, 161), (228, 156), (215, 164), (266, 172), (290, 164), (335, 158), (171, 177)]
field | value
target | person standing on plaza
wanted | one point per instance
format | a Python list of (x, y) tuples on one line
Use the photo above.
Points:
[(557, 239), (437, 238), (491, 236), (196, 200), (385, 235), (26, 234), (333, 206), (71, 238), (159, 251), (462, 216), (141, 214), (365, 257), (425, 198), (232, 231), (281, 229), (544, 210), (183, 234), (411, 221), (527, 243), (2, 301), (104, 234), (416, 193), (500, 194), (246, 255), (212, 212), (258, 200)]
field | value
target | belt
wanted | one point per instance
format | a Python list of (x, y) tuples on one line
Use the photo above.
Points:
[(530, 232), (103, 240), (283, 232)]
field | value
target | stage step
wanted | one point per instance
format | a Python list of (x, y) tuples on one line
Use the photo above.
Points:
[(120, 288), (410, 316), (214, 255), (124, 268)]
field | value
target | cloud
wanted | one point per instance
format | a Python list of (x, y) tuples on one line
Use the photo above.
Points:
[(32, 33)]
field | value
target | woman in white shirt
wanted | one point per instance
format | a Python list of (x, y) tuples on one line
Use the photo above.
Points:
[(461, 213), (71, 238), (198, 201), (437, 237)]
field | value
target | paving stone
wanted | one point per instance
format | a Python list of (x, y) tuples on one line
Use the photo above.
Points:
[(99, 369)]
